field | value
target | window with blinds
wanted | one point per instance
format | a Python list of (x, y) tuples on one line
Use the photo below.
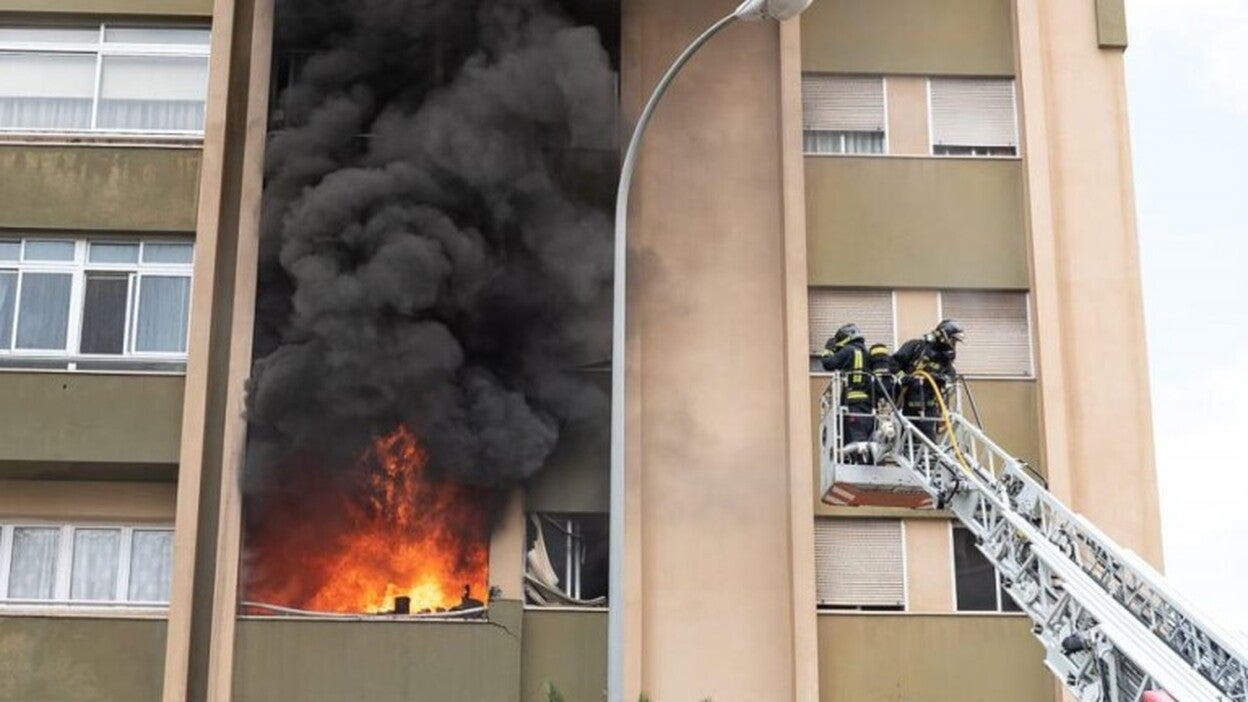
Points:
[(830, 308), (843, 114), (973, 117), (998, 332), (859, 564)]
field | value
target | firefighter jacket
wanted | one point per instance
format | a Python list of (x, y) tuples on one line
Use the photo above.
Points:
[(929, 356), (851, 359), (885, 369)]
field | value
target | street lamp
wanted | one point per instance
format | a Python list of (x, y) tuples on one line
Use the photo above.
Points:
[(748, 10)]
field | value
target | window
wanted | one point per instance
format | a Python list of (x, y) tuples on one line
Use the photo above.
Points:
[(973, 117), (43, 564), (859, 564), (831, 308), (998, 332), (103, 78), (843, 114), (94, 305), (566, 560), (976, 582)]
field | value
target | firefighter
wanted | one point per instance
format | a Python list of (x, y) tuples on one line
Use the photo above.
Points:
[(933, 354), (885, 369), (846, 353)]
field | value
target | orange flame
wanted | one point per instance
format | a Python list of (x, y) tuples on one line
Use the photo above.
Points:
[(404, 534)]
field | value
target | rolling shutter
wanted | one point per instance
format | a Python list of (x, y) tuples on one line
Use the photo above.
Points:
[(859, 563), (830, 308), (842, 103), (973, 112), (998, 335)]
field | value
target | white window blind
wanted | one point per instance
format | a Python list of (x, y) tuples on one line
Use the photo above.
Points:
[(843, 114), (859, 563), (998, 333), (973, 112), (104, 78), (842, 103), (830, 308)]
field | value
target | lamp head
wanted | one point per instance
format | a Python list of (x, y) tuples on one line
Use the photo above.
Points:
[(771, 9)]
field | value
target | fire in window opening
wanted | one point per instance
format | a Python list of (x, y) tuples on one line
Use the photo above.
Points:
[(566, 560)]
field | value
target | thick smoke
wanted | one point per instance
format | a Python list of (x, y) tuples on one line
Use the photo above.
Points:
[(425, 258)]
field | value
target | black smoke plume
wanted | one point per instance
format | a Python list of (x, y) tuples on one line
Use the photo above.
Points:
[(427, 254)]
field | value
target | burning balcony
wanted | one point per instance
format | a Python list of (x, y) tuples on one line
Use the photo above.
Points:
[(401, 542)]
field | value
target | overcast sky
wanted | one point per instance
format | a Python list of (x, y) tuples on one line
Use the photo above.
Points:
[(1187, 81)]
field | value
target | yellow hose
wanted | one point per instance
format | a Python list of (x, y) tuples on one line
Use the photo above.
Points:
[(944, 413)]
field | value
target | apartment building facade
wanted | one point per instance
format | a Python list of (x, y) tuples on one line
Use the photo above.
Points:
[(888, 163)]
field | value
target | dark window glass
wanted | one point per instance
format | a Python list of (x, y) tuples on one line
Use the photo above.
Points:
[(104, 313), (577, 547), (975, 577), (8, 295)]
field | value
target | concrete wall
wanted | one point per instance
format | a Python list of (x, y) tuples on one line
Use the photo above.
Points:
[(952, 37), (87, 501), (578, 476), (916, 222), (1010, 410), (326, 661), (64, 659), (567, 650), (923, 658), (155, 8), (709, 452), (1085, 259), (98, 188), (90, 418)]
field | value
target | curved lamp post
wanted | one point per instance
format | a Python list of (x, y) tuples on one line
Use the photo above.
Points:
[(748, 10)]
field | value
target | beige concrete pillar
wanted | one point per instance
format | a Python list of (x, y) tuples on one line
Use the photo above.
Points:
[(199, 642), (929, 566), (711, 595), (908, 130), (1092, 364)]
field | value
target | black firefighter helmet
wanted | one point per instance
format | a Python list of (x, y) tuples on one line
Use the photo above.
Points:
[(949, 332), (845, 335)]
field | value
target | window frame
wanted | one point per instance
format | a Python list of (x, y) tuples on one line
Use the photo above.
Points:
[(79, 269), (885, 133), (63, 568), (1001, 595), (931, 125), (101, 49)]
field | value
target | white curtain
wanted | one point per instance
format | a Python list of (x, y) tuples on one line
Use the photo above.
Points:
[(153, 93), (94, 572), (46, 91), (164, 306), (151, 565), (32, 574), (44, 316), (838, 142)]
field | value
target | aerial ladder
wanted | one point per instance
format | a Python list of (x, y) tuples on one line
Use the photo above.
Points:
[(1112, 629)]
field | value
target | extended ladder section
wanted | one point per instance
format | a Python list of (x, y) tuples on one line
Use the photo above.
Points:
[(1111, 627)]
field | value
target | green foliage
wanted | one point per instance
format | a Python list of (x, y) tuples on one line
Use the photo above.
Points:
[(552, 695)]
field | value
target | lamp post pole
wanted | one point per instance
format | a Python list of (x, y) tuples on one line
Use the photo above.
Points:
[(748, 10)]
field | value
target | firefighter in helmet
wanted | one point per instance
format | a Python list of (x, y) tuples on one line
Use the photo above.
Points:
[(885, 369), (933, 355), (846, 353)]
